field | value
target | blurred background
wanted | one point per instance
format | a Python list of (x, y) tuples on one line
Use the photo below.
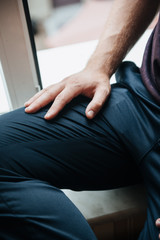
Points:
[(59, 23), (63, 22)]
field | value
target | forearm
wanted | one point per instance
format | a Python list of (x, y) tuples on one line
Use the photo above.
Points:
[(127, 21)]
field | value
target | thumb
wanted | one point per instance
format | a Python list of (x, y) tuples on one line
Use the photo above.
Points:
[(97, 102), (158, 223)]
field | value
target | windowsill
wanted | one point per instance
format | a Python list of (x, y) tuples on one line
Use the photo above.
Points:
[(58, 63)]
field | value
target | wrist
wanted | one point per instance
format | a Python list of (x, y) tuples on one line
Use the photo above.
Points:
[(101, 63)]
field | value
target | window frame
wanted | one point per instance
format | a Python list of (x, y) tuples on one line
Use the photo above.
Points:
[(17, 52)]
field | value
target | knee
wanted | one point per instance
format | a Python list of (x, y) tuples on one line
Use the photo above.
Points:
[(45, 209)]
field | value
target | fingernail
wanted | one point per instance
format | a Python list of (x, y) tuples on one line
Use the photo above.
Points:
[(25, 104), (91, 113), (47, 115), (27, 108)]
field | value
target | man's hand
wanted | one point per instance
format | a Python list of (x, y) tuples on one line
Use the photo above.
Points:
[(158, 225), (93, 84), (125, 25)]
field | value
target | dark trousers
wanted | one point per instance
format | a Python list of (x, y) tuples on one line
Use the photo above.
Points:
[(39, 157)]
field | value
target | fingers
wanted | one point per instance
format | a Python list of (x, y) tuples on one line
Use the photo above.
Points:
[(97, 102), (32, 99), (42, 98), (158, 225), (64, 92), (60, 101)]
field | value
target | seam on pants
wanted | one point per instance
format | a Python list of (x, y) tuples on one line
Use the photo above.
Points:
[(143, 156)]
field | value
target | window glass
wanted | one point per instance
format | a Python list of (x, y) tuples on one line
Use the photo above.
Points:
[(62, 22), (62, 30)]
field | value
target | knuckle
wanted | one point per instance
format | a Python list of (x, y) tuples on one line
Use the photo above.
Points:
[(105, 90), (98, 104), (109, 88), (66, 79), (38, 105), (48, 92), (75, 83), (45, 89), (41, 105), (60, 99)]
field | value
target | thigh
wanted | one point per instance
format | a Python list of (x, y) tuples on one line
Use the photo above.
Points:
[(68, 151), (141, 136), (150, 169)]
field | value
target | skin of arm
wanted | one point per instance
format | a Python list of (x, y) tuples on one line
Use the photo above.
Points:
[(127, 21)]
